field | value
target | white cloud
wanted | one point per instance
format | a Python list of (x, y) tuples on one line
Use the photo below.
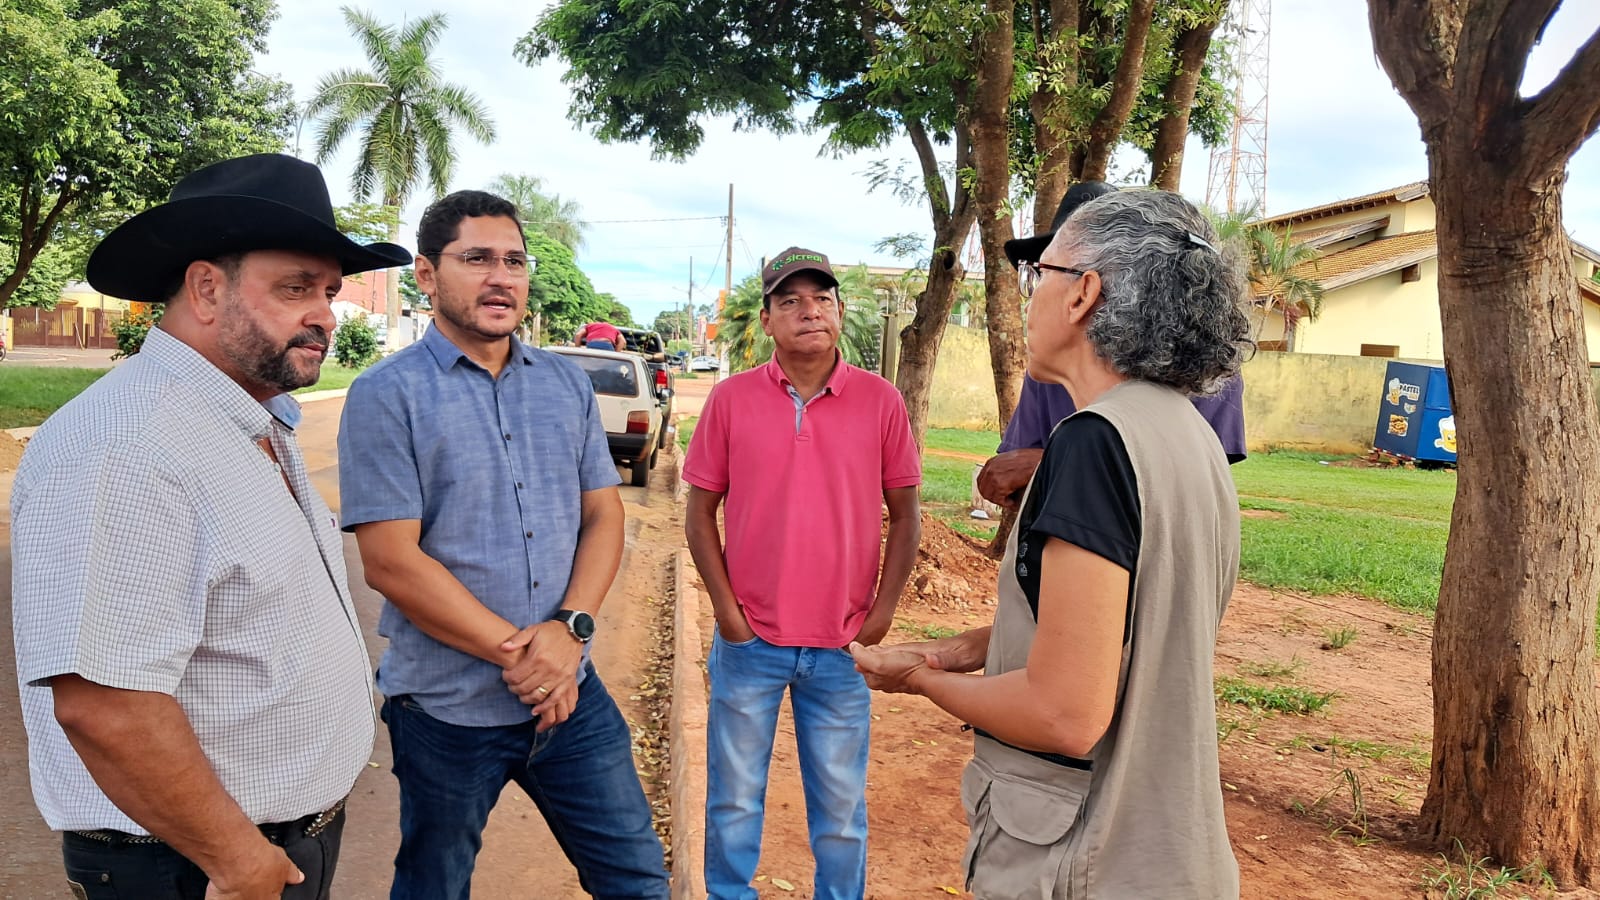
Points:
[(1337, 129)]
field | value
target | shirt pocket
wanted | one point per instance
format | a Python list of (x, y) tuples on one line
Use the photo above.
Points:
[(1022, 831)]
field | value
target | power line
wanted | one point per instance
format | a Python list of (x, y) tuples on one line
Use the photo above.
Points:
[(631, 221)]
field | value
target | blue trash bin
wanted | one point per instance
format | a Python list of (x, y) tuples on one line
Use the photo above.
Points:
[(1415, 420)]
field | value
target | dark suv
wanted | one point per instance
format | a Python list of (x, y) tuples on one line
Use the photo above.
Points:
[(649, 345)]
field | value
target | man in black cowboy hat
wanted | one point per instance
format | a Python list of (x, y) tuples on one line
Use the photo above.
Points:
[(193, 678), (1042, 405)]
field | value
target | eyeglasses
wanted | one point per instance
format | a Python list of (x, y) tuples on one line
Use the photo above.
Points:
[(1029, 273), (481, 261)]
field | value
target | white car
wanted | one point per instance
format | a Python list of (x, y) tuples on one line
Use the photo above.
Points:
[(705, 364), (631, 406)]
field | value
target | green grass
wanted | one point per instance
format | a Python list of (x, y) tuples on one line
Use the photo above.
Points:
[(685, 430), (1471, 878), (1338, 638), (1416, 756), (334, 376), (1377, 533), (1279, 698), (981, 443), (925, 632), (29, 394), (1268, 668), (946, 481)]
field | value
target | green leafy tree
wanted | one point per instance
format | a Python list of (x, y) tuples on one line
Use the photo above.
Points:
[(559, 291), (355, 342), (405, 116), (51, 271), (948, 76), (678, 323), (410, 294), (107, 103), (366, 223), (617, 312), (543, 212)]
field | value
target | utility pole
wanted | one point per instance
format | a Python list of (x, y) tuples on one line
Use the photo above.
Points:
[(689, 327), (727, 292)]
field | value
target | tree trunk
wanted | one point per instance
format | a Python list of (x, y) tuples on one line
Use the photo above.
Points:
[(33, 234), (919, 341), (1177, 99), (1051, 121), (392, 279), (952, 210), (991, 151), (1106, 130), (1515, 773)]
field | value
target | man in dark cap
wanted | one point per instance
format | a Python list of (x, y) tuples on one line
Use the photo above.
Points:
[(194, 683), (1042, 405), (807, 450)]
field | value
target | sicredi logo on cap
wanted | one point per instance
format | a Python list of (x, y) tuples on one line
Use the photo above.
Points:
[(792, 260), (798, 257)]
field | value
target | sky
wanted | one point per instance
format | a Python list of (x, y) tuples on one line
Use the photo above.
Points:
[(1337, 128)]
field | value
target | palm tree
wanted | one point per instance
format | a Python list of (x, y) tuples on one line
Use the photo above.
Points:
[(561, 220), (406, 115), (1274, 259)]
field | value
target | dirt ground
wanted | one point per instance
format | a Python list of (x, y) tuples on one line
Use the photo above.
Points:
[(10, 452), (1321, 805)]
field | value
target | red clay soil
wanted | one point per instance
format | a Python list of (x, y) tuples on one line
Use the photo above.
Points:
[(1320, 805), (10, 452)]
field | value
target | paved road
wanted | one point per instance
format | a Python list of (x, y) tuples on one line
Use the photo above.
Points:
[(519, 858), (58, 356)]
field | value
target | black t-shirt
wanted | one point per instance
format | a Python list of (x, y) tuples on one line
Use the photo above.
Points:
[(1084, 493)]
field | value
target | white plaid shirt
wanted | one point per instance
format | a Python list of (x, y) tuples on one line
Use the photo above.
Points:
[(156, 548)]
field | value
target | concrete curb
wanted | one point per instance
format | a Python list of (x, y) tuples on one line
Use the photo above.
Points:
[(687, 734)]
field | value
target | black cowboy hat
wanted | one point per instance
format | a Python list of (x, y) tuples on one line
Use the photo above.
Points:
[(1030, 249), (263, 202)]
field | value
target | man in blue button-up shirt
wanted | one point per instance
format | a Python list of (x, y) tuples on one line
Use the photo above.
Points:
[(475, 475)]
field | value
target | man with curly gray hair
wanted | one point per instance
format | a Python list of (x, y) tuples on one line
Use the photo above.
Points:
[(1095, 716)]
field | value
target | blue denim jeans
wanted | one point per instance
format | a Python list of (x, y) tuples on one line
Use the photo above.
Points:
[(580, 774), (832, 724)]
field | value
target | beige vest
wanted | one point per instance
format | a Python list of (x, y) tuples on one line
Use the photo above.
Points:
[(1146, 822)]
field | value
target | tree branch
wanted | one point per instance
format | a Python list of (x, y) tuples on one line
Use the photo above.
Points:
[(963, 197), (932, 180), (1108, 123), (1416, 42), (1567, 112), (1491, 58)]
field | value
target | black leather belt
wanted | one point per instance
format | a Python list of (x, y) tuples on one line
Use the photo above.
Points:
[(1070, 762), (279, 833)]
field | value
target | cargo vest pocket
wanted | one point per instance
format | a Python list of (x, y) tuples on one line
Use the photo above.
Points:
[(1021, 832)]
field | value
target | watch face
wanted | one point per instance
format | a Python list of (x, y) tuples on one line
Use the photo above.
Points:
[(582, 625)]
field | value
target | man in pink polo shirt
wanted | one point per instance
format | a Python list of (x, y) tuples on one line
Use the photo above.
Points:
[(807, 450)]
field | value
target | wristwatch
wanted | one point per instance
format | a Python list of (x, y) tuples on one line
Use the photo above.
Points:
[(580, 623)]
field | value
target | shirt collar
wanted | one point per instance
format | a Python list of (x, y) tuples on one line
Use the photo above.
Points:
[(835, 381), (230, 400), (446, 354)]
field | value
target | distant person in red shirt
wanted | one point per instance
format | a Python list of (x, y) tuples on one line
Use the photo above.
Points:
[(602, 336), (806, 449)]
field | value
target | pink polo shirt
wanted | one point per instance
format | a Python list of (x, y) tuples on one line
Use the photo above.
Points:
[(804, 504)]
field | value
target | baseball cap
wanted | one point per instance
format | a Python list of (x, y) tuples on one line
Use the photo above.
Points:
[(792, 260), (1031, 248)]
